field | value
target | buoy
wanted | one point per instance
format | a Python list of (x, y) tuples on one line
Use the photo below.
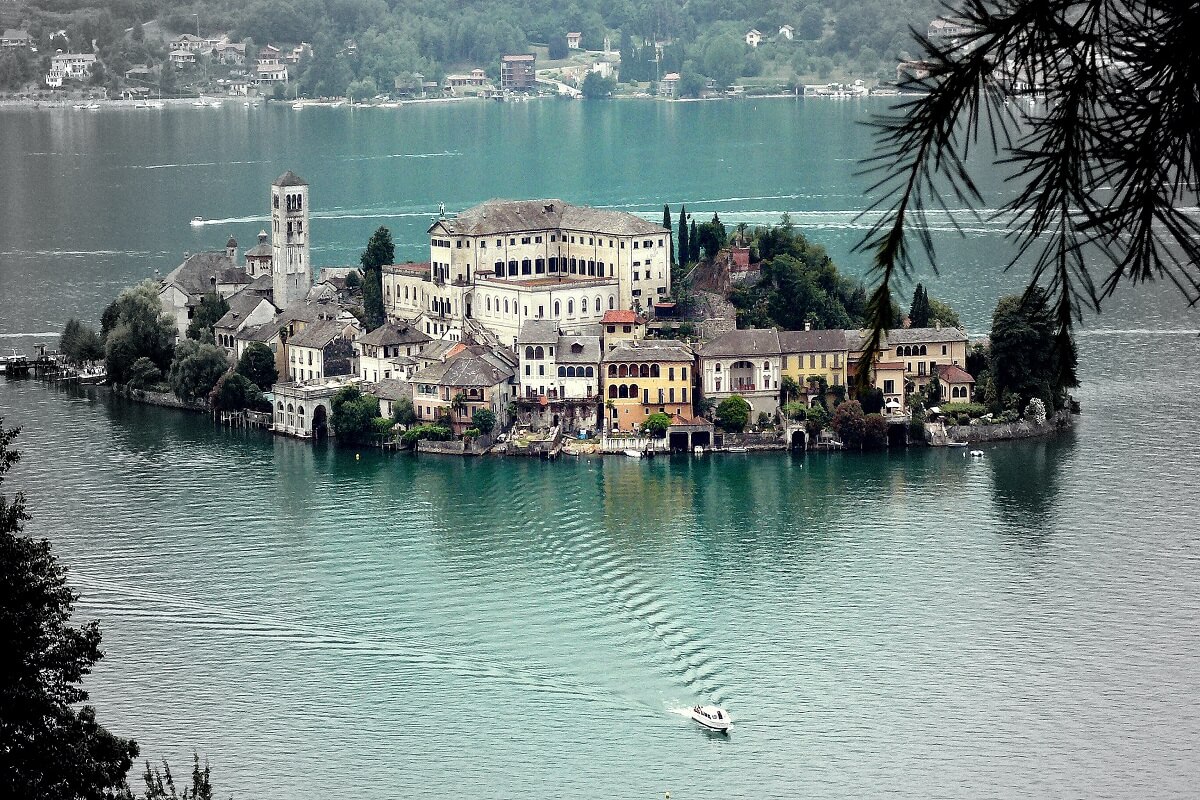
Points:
[(357, 456)]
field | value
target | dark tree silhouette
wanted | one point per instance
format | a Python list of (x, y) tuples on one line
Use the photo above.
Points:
[(1106, 167)]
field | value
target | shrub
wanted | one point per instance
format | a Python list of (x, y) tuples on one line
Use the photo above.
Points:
[(143, 374), (764, 419), (1036, 412), (1007, 417), (964, 419), (850, 423), (871, 400), (733, 413), (483, 420), (970, 409), (656, 425), (235, 392), (472, 433), (875, 435), (436, 433), (916, 429)]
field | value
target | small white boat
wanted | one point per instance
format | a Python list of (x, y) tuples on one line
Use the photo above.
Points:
[(737, 449), (92, 106), (197, 221), (297, 106), (976, 454), (714, 718), (956, 444), (633, 453), (698, 449)]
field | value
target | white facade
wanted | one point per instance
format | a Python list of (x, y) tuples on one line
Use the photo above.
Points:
[(70, 66), (507, 262), (753, 38)]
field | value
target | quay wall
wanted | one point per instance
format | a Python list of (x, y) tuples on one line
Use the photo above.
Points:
[(1022, 429), (164, 399)]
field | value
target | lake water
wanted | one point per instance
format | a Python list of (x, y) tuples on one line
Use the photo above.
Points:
[(325, 623)]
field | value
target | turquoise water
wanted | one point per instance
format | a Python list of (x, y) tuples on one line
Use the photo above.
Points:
[(327, 623)]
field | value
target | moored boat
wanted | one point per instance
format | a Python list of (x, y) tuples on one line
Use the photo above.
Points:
[(714, 718), (633, 453)]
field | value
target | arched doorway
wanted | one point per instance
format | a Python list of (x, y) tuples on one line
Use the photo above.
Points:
[(320, 423)]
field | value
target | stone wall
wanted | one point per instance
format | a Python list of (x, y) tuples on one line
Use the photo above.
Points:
[(457, 447), (767, 440), (1022, 429)]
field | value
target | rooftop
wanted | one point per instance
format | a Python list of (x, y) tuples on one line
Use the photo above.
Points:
[(749, 342), (621, 317), (393, 333), (650, 350), (511, 216), (952, 374), (475, 366), (538, 331), (290, 178), (812, 341)]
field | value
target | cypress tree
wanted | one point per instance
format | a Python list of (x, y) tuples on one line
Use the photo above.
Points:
[(667, 225), (684, 252), (693, 244), (918, 314), (380, 251)]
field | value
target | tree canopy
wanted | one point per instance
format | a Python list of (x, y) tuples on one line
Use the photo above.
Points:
[(733, 413), (196, 369), (258, 365), (1025, 360), (134, 326), (354, 415), (211, 308), (50, 746), (380, 251), (80, 343)]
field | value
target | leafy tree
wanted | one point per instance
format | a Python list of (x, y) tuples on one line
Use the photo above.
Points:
[(484, 419), (871, 400), (1098, 127), (684, 251), (788, 388), (1025, 356), (875, 433), (403, 411), (597, 87), (50, 746), (656, 424), (353, 415), (691, 84), (212, 307), (160, 785), (933, 392), (258, 365), (850, 423), (817, 418), (196, 369), (812, 22), (733, 413), (380, 251), (918, 313), (458, 404), (234, 392), (80, 343), (942, 313), (669, 226), (143, 374), (558, 47), (712, 236), (134, 326), (353, 279)]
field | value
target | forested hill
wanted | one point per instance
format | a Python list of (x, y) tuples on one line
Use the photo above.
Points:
[(394, 37)]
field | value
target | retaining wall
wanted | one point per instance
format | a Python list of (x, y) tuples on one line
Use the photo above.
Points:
[(1021, 429)]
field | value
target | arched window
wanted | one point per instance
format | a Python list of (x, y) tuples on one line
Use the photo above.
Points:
[(589, 372), (570, 372), (574, 266), (612, 373), (923, 350), (512, 267), (633, 391), (281, 405), (539, 353), (291, 409), (570, 308), (506, 305), (654, 372), (562, 372), (488, 303), (623, 392), (645, 371), (553, 264), (599, 307), (539, 266), (612, 391), (612, 302), (557, 309), (591, 268), (583, 306), (300, 410), (623, 372), (528, 351)]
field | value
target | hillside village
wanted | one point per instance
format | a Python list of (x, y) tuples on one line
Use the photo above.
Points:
[(554, 320)]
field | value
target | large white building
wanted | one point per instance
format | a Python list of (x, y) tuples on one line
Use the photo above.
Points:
[(508, 261)]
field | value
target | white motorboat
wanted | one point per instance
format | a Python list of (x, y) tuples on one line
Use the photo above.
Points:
[(197, 221), (297, 106), (714, 718), (956, 444), (633, 453), (976, 454)]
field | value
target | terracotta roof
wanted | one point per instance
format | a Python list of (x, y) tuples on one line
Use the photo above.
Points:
[(952, 374), (621, 317)]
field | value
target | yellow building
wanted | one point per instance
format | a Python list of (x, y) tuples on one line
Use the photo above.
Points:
[(923, 350), (808, 353), (621, 326), (645, 377)]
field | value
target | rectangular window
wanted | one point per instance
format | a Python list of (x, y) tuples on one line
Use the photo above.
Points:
[(591, 240), (684, 376), (524, 240), (635, 245), (499, 243), (812, 361), (512, 240), (541, 369), (622, 245), (527, 370), (671, 394), (943, 349), (889, 387), (685, 395), (823, 357), (671, 374), (537, 239), (554, 237)]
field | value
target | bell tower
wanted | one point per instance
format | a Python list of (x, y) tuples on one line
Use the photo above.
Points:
[(291, 272)]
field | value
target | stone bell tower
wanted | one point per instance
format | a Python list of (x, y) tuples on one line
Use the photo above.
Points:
[(291, 271)]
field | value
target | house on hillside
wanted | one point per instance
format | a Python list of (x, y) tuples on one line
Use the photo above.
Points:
[(753, 38), (787, 32), (15, 39), (573, 39), (70, 67)]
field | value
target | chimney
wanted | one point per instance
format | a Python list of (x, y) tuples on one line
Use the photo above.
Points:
[(937, 324), (808, 325)]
